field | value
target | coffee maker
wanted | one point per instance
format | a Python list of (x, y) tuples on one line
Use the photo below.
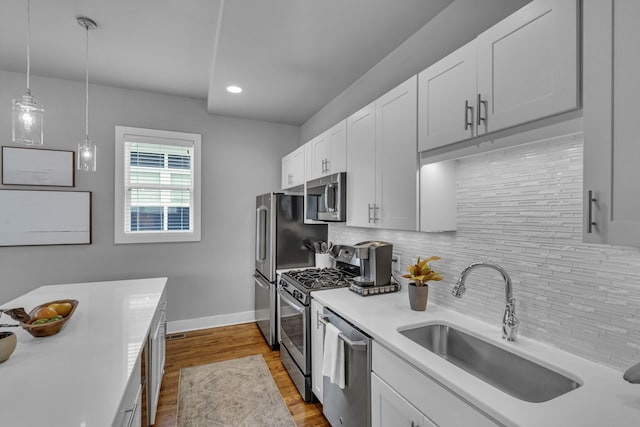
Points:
[(375, 263)]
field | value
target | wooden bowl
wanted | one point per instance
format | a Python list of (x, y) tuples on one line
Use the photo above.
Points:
[(51, 328)]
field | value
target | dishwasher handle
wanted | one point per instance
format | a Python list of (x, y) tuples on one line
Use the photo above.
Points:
[(356, 345)]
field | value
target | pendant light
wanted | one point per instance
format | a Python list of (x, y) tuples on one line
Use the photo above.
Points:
[(27, 114), (87, 150)]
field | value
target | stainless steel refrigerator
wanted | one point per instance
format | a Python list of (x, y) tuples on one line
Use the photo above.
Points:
[(280, 237)]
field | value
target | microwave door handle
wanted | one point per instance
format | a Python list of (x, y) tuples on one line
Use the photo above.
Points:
[(329, 188), (261, 250)]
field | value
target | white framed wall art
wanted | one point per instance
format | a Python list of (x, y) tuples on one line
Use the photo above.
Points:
[(36, 166)]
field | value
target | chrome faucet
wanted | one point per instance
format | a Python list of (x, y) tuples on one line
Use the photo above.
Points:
[(509, 320)]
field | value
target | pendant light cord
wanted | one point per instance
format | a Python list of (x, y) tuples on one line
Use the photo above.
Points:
[(86, 88), (28, 43)]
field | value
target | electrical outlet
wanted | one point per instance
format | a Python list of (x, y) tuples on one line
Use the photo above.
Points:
[(395, 264)]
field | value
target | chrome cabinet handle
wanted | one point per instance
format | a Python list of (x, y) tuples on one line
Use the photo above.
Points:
[(327, 165), (481, 104), (467, 108), (375, 213), (590, 222), (370, 208), (323, 170)]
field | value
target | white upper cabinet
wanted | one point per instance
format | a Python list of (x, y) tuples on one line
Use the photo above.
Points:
[(382, 161), (523, 69), (611, 149), (361, 166), (528, 65), (446, 99), (293, 168), (329, 151), (396, 158)]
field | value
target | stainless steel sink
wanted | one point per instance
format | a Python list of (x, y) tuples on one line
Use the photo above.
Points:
[(513, 374)]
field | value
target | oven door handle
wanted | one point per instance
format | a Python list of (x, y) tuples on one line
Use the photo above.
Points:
[(356, 345), (290, 301)]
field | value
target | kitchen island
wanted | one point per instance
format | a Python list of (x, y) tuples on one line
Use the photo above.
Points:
[(603, 398), (80, 376)]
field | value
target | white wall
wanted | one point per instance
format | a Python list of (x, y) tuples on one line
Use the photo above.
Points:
[(522, 208), (241, 159), (455, 26)]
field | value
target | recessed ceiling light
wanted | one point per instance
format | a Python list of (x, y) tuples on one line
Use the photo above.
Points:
[(234, 89)]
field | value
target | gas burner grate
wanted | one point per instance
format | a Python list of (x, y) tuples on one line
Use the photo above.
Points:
[(320, 278)]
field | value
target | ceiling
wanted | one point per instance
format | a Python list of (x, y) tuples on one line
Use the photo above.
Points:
[(290, 56)]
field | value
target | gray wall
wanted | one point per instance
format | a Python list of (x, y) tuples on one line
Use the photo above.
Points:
[(455, 26), (241, 159)]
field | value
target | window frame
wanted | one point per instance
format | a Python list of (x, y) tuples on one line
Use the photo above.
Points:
[(122, 237)]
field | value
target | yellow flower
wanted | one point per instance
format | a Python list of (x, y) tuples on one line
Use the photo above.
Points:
[(421, 273)]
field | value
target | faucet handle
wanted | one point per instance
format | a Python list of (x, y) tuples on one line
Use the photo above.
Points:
[(510, 323), (633, 374)]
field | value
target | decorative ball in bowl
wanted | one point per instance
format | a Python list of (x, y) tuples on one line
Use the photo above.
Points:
[(48, 319), (7, 345)]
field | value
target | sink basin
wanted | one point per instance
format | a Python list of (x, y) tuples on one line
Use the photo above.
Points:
[(513, 374)]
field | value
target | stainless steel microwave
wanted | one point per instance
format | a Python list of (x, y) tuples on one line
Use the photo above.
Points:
[(327, 198)]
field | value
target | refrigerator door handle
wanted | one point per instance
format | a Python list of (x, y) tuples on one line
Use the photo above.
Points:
[(261, 240)]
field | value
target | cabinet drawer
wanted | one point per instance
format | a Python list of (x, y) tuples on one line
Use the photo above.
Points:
[(429, 397)]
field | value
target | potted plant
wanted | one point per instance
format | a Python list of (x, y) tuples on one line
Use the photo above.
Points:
[(419, 274)]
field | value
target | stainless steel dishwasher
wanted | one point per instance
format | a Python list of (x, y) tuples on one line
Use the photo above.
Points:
[(350, 406)]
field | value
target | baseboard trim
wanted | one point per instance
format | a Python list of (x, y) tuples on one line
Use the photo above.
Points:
[(210, 322)]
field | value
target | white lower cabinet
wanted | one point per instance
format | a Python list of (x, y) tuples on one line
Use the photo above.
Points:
[(388, 408), (403, 395), (317, 348), (156, 346), (130, 411)]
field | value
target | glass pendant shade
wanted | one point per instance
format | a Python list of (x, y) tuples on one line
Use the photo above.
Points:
[(27, 116), (27, 120), (86, 155)]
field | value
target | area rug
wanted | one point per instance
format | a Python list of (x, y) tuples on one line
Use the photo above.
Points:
[(238, 393)]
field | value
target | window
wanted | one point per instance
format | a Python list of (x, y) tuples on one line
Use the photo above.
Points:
[(157, 186)]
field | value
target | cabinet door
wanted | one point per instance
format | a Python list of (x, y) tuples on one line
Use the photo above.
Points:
[(317, 348), (337, 159), (286, 172), (397, 158), (446, 99), (319, 155), (611, 149), (157, 346), (528, 65), (388, 408), (361, 167), (293, 169)]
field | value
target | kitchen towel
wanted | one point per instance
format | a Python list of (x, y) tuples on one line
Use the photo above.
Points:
[(333, 360)]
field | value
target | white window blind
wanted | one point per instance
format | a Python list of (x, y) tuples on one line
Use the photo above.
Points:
[(159, 182)]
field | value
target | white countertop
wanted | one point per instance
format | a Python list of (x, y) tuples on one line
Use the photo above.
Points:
[(78, 376), (604, 399)]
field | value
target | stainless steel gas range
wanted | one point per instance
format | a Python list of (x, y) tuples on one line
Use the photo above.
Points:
[(294, 321)]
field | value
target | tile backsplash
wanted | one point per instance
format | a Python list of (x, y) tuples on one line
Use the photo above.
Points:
[(521, 208)]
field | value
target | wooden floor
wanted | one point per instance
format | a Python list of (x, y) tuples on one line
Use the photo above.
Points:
[(225, 343)]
